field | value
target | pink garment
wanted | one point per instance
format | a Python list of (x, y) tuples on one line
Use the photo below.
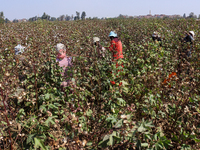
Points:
[(65, 63)]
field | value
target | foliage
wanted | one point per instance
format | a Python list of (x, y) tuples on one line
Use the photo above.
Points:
[(142, 113), (83, 15)]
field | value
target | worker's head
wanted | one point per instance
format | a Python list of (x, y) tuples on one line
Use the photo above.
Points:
[(112, 35), (60, 50), (96, 41), (155, 36), (191, 33), (19, 50)]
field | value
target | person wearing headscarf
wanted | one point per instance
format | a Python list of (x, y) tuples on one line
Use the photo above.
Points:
[(116, 50), (189, 38), (99, 49), (20, 60), (156, 38), (115, 46), (64, 61)]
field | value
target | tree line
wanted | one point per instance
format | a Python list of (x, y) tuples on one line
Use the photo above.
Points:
[(48, 17), (72, 17)]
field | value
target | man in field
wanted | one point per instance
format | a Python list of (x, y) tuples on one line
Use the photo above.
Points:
[(64, 61)]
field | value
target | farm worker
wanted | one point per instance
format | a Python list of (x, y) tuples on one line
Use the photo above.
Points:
[(64, 61), (100, 49), (20, 58), (116, 49), (156, 37), (189, 37), (185, 53), (19, 49), (115, 46), (22, 63)]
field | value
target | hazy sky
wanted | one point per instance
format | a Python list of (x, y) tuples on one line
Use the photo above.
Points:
[(102, 8)]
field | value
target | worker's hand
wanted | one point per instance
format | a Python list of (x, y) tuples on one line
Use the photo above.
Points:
[(186, 32)]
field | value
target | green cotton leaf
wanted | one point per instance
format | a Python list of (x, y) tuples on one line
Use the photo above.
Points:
[(138, 145), (104, 144), (49, 120), (30, 86), (106, 137), (111, 141), (185, 147), (121, 101), (89, 112), (148, 136), (141, 129), (197, 140), (157, 146), (125, 89), (111, 119), (149, 124), (47, 96), (4, 122), (38, 142), (51, 136), (119, 124), (30, 138), (52, 106), (144, 144), (62, 148), (156, 137), (117, 138), (114, 133), (89, 143), (124, 83)]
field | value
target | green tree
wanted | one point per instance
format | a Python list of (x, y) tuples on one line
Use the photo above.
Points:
[(45, 16), (1, 14), (192, 15), (7, 20), (77, 17), (1, 17), (53, 19), (15, 21), (83, 15), (67, 18)]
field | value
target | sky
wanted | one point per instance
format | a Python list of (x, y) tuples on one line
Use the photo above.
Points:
[(19, 9)]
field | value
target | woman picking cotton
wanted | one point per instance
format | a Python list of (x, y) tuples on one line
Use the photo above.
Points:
[(116, 50), (64, 61), (99, 48)]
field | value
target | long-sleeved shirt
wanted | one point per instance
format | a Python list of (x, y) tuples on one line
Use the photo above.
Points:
[(188, 38), (65, 63), (116, 49)]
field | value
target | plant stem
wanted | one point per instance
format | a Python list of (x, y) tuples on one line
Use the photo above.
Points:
[(7, 117)]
